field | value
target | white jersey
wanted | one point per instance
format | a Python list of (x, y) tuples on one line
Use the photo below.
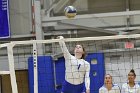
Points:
[(127, 89), (115, 89), (77, 70)]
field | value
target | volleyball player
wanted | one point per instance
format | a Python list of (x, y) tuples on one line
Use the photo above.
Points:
[(131, 86), (108, 86), (77, 70)]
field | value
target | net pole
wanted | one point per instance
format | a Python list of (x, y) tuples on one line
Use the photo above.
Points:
[(35, 68), (11, 68), (38, 26)]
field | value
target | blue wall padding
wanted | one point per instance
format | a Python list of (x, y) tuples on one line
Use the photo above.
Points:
[(45, 75), (60, 70), (60, 73), (97, 71)]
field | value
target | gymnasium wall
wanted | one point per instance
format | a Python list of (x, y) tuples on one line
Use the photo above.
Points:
[(20, 17), (120, 65)]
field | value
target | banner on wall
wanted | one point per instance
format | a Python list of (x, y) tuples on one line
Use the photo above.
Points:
[(4, 19)]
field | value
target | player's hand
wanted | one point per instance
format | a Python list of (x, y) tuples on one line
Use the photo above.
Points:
[(60, 37), (87, 91)]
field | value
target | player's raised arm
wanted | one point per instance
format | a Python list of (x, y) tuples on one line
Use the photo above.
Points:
[(63, 47)]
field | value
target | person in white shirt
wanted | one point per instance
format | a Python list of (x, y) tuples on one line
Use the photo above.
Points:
[(131, 86), (108, 86), (77, 70)]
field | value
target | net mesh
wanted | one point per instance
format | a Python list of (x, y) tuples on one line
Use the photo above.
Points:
[(117, 59)]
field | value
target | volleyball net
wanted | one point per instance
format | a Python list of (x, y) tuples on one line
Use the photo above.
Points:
[(38, 66)]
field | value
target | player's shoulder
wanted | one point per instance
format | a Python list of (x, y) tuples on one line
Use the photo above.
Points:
[(86, 62), (137, 85), (124, 85), (102, 88), (116, 86)]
